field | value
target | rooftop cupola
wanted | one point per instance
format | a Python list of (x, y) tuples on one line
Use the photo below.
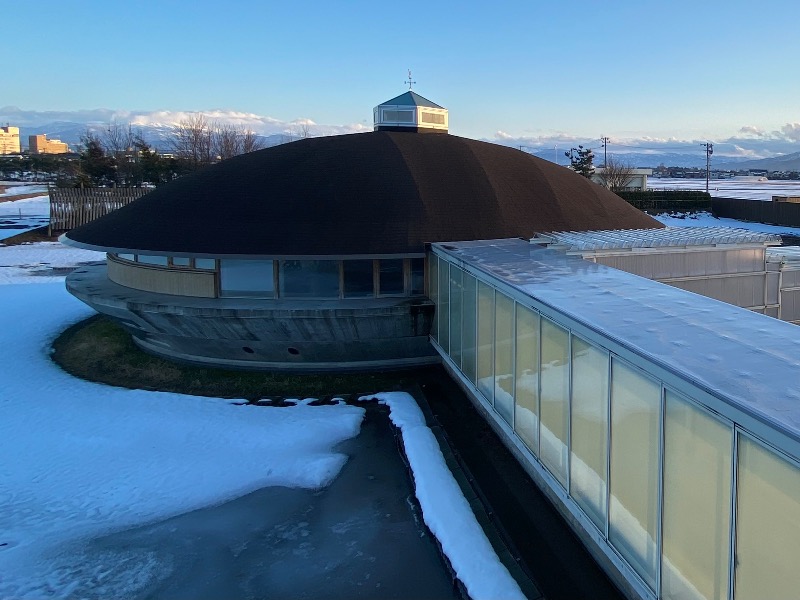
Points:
[(410, 112)]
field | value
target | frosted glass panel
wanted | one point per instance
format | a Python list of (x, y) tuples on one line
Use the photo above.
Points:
[(697, 497), (469, 322), (246, 278), (633, 513), (504, 357), (486, 340), (444, 305), (555, 399), (589, 434), (455, 314), (526, 417), (433, 290), (767, 525)]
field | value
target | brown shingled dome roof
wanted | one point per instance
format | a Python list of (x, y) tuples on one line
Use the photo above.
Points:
[(369, 193)]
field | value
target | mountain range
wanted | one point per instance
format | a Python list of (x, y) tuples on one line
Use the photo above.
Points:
[(158, 135)]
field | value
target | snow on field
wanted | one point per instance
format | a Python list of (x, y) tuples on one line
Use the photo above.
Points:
[(750, 188), (38, 205), (79, 460), (705, 219), (34, 263)]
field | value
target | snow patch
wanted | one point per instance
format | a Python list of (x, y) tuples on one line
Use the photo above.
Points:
[(445, 510)]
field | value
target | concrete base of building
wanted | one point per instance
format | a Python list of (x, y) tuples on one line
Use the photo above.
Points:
[(266, 334)]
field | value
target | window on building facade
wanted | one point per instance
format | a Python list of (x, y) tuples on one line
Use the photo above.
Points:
[(247, 278), (358, 278)]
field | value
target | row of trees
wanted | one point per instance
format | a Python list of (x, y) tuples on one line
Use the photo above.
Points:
[(615, 174), (119, 155), (197, 142)]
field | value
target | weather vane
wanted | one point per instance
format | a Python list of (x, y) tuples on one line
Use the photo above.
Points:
[(409, 82)]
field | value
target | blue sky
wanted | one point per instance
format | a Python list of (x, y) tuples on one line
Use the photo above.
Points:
[(524, 70)]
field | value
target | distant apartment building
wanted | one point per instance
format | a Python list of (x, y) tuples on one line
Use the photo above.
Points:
[(39, 144), (9, 140)]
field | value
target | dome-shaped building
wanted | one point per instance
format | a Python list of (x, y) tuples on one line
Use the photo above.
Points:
[(311, 255)]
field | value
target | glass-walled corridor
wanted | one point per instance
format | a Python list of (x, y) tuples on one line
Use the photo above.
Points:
[(690, 502)]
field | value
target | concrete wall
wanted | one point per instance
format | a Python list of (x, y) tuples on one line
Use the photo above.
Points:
[(268, 334)]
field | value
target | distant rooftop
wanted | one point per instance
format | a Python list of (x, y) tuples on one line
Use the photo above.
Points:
[(653, 238)]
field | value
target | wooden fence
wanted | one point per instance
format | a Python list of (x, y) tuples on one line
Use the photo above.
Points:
[(72, 207), (759, 211)]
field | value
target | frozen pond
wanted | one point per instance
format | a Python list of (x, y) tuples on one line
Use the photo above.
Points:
[(361, 537)]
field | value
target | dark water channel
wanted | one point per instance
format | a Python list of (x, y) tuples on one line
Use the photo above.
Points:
[(361, 537)]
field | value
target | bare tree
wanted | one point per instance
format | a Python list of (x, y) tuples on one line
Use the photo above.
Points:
[(251, 141), (616, 175), (230, 140), (117, 138), (197, 142), (226, 140), (192, 141)]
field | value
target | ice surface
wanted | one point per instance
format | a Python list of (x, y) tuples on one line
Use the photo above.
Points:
[(446, 512)]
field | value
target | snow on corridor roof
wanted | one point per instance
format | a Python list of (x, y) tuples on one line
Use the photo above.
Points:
[(749, 361), (655, 238)]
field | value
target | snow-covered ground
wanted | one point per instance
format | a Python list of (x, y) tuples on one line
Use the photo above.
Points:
[(749, 188), (705, 219), (79, 460), (37, 263), (14, 188), (38, 205), (22, 215)]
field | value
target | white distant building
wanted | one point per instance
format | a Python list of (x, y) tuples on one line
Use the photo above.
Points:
[(638, 180), (9, 140)]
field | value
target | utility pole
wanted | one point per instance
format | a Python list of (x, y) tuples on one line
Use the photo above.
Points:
[(709, 151), (604, 142)]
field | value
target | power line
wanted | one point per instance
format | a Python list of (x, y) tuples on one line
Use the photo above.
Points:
[(709, 151), (604, 141)]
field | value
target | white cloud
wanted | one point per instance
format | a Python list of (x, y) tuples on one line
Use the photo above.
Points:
[(752, 130), (261, 124), (791, 131)]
